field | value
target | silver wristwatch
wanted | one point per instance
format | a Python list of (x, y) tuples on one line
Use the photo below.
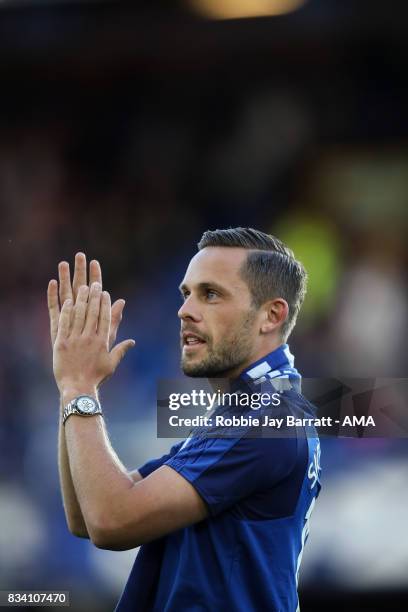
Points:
[(83, 405)]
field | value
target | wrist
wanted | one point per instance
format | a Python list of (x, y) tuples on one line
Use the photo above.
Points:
[(72, 390)]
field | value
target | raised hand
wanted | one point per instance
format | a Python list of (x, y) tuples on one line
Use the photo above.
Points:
[(58, 293), (82, 358)]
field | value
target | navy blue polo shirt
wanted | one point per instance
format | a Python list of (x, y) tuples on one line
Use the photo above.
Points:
[(245, 555)]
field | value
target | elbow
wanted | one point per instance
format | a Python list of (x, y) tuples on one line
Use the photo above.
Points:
[(80, 533), (77, 528), (108, 536), (110, 544), (110, 540)]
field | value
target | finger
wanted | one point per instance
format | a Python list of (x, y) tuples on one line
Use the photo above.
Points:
[(120, 350), (80, 310), (92, 313), (116, 317), (104, 317), (79, 273), (65, 289), (95, 272), (53, 308), (65, 319)]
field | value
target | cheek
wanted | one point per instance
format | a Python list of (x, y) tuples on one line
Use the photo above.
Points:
[(222, 328)]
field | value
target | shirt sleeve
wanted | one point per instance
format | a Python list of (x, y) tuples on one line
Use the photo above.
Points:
[(154, 464), (226, 470)]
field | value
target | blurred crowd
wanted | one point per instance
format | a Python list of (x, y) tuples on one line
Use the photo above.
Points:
[(133, 176)]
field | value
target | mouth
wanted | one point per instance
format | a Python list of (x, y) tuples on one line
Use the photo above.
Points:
[(191, 341)]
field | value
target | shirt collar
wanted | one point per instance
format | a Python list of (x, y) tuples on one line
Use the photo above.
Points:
[(278, 364)]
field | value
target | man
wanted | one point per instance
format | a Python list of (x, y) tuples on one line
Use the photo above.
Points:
[(222, 521)]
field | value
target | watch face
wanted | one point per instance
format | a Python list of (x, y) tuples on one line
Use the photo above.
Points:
[(87, 405)]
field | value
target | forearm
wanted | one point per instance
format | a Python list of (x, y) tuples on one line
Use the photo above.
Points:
[(74, 517), (100, 479)]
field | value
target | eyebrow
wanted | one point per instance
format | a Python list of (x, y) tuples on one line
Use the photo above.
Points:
[(206, 285)]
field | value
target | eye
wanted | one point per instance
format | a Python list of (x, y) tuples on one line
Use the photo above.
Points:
[(184, 295), (210, 294)]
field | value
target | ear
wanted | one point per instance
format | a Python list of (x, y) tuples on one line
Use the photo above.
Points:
[(275, 314)]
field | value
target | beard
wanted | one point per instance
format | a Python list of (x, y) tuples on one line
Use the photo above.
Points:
[(230, 353)]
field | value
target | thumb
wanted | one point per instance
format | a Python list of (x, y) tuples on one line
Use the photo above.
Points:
[(119, 351)]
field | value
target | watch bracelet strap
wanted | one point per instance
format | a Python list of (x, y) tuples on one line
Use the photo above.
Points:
[(69, 409)]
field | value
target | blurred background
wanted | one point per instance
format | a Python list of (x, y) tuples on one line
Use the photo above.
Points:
[(128, 129)]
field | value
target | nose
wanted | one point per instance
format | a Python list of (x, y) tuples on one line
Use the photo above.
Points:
[(189, 310)]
